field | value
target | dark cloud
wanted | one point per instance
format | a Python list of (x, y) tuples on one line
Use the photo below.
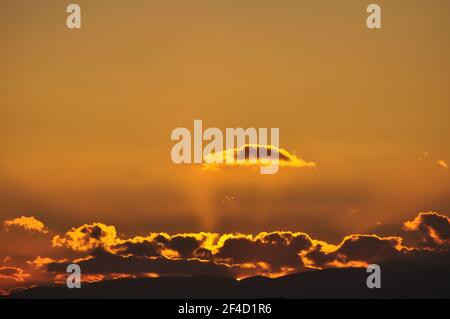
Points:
[(269, 254), (430, 230), (13, 273), (105, 255), (145, 248), (255, 154), (185, 245), (110, 263), (276, 249), (356, 250), (261, 152)]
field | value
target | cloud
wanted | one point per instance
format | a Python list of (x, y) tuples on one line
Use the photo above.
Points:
[(239, 255), (40, 262), (87, 237), (443, 164), (356, 251), (255, 155), (98, 236), (275, 251), (162, 244), (271, 254), (271, 251), (430, 230), (108, 263), (104, 255), (85, 278), (13, 273), (28, 223)]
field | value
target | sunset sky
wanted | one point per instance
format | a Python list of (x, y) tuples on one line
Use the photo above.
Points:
[(86, 117)]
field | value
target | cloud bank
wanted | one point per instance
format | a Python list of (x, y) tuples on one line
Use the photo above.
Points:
[(102, 254)]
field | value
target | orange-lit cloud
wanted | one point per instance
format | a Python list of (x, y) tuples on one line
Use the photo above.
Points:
[(89, 278), (240, 255), (431, 230), (271, 252), (255, 155), (104, 255), (355, 251), (87, 237), (40, 262), (443, 164), (13, 273), (27, 223), (107, 263)]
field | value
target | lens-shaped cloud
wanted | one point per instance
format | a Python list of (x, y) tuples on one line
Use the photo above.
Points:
[(255, 155)]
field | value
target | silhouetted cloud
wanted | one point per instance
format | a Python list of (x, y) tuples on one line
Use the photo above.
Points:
[(275, 252), (270, 254), (355, 251), (431, 230), (13, 273), (278, 250), (110, 263), (255, 155), (102, 254)]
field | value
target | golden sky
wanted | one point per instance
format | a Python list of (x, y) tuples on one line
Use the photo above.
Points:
[(86, 115)]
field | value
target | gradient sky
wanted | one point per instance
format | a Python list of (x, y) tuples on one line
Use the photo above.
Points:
[(86, 115)]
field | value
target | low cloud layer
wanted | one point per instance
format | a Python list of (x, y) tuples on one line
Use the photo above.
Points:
[(102, 254), (270, 254)]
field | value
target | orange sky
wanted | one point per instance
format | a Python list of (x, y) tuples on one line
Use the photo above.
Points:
[(86, 115)]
